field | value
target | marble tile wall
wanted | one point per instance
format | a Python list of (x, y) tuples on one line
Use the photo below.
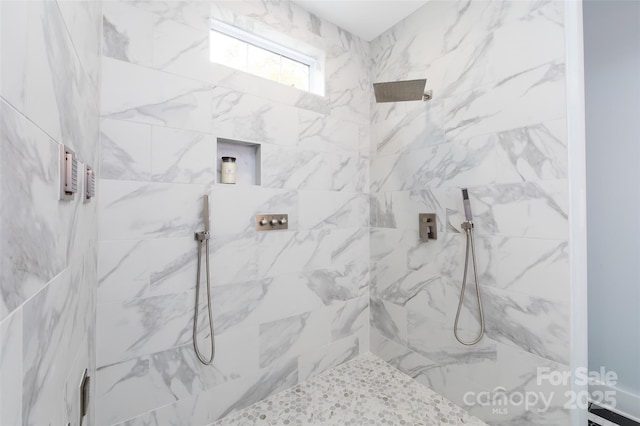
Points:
[(49, 89), (287, 304), (496, 125)]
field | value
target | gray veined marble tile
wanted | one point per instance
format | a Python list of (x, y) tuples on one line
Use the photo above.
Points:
[(406, 127), (533, 266), (530, 209), (239, 116), (182, 50), (138, 210), (234, 207), (56, 322), (144, 326), (125, 150), (83, 22), (327, 133), (136, 93), (533, 153), (536, 325), (253, 388), (14, 52), (172, 375), (234, 258), (320, 360), (182, 156), (127, 33), (237, 305), (288, 251), (11, 365), (519, 100), (339, 284), (56, 81), (290, 337), (298, 169), (331, 209), (34, 241), (389, 319), (351, 318), (123, 270)]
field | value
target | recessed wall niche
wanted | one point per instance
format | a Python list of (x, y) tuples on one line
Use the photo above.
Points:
[(247, 155)]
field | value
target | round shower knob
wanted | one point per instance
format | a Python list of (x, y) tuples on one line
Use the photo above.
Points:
[(274, 222), (264, 222), (283, 221)]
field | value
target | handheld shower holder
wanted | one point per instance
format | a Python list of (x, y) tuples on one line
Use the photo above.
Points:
[(467, 225), (202, 236)]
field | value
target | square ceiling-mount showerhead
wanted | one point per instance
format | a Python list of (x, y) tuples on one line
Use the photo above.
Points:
[(401, 91)]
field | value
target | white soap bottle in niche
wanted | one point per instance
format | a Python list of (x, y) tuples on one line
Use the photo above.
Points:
[(228, 170)]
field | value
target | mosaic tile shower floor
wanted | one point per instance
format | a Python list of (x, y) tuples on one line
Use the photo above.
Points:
[(363, 391)]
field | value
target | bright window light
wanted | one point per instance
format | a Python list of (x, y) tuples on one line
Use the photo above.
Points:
[(247, 52)]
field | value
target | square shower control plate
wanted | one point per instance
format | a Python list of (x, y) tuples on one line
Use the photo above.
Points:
[(427, 226), (272, 222)]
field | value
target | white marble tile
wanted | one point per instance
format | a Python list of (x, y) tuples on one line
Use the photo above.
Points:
[(233, 209), (125, 150), (339, 284), (319, 360), (144, 326), (298, 169), (536, 325), (34, 241), (389, 319), (83, 21), (234, 258), (14, 37), (136, 210), (351, 318), (11, 356), (331, 209), (56, 83), (182, 156), (406, 126), (327, 133), (537, 152), (134, 93), (532, 209), (514, 102), (123, 270), (292, 336), (239, 116), (127, 33), (533, 266), (288, 251), (181, 49), (171, 375), (59, 315)]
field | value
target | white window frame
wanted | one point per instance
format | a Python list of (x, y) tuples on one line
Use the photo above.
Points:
[(271, 46)]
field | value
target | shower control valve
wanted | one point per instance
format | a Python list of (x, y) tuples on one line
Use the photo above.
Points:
[(272, 222), (202, 236), (427, 226)]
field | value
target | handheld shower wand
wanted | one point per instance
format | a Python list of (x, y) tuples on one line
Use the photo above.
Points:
[(203, 240), (468, 228)]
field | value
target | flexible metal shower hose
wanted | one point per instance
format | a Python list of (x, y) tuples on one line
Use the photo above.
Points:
[(470, 244), (202, 359)]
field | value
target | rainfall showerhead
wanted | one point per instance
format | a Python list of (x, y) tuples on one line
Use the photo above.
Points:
[(400, 91)]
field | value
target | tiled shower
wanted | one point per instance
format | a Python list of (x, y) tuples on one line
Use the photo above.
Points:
[(109, 284)]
